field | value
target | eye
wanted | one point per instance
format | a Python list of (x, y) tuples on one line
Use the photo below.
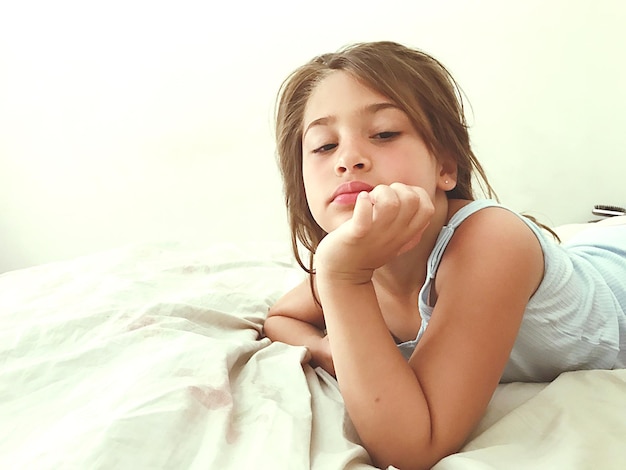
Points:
[(325, 148), (386, 135)]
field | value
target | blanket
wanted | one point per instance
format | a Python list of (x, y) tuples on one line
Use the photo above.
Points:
[(152, 357)]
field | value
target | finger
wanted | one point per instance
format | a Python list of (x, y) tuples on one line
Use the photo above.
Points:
[(409, 204), (362, 214), (410, 198), (425, 207), (414, 240), (386, 204), (415, 214), (307, 356)]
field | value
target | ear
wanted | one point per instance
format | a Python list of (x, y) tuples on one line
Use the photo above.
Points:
[(447, 177)]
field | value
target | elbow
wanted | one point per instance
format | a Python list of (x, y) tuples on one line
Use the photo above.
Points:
[(272, 325), (273, 311), (413, 460), (410, 452), (269, 323), (272, 314)]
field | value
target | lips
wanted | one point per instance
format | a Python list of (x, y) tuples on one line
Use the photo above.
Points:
[(346, 193)]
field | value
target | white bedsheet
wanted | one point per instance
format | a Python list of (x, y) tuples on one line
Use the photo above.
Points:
[(150, 357)]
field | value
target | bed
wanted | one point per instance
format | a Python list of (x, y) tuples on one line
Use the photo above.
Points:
[(152, 357)]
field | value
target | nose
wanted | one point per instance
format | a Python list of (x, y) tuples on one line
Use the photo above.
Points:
[(351, 158)]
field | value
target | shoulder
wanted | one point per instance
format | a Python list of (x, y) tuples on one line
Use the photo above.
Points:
[(492, 224), (494, 244)]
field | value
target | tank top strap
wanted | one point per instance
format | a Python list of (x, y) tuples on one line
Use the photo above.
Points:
[(448, 230)]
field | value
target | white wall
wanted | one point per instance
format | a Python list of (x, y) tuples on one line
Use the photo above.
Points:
[(130, 121)]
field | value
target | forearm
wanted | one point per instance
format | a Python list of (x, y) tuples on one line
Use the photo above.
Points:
[(292, 331), (300, 333), (382, 393)]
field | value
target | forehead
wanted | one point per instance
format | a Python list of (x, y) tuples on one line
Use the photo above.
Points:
[(340, 92)]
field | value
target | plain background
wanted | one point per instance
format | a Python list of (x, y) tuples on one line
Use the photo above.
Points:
[(136, 121)]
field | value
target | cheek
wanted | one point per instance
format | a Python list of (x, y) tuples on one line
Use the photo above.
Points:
[(309, 189), (315, 197), (307, 181), (311, 179)]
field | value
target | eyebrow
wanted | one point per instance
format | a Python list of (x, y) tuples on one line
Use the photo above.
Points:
[(368, 109)]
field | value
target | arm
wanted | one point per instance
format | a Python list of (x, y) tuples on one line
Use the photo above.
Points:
[(298, 320), (413, 414)]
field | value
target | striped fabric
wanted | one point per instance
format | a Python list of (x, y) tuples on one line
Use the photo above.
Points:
[(576, 319)]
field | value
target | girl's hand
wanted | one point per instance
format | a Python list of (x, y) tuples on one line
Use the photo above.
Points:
[(385, 223), (319, 355)]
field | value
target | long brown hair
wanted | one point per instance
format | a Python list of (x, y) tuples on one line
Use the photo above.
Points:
[(418, 83)]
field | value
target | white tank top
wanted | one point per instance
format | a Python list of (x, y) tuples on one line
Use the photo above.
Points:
[(577, 317)]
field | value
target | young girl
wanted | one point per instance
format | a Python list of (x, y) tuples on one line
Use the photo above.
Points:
[(426, 297)]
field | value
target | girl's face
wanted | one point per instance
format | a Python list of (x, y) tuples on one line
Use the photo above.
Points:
[(353, 134)]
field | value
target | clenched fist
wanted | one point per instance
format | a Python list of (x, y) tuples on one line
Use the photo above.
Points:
[(386, 222)]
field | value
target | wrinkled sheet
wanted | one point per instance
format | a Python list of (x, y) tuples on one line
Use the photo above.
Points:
[(151, 357)]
